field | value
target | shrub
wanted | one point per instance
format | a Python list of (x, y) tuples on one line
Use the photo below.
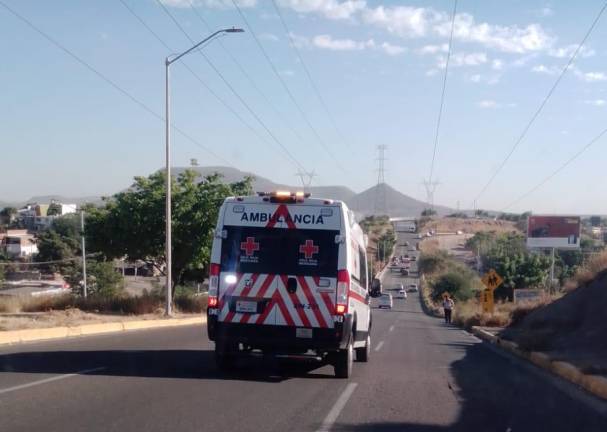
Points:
[(432, 262), (459, 283), (191, 303)]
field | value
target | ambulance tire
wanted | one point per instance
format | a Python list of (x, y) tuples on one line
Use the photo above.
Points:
[(343, 361), (224, 356), (362, 353)]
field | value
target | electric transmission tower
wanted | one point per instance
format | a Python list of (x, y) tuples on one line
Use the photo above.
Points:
[(430, 186), (380, 189), (306, 178)]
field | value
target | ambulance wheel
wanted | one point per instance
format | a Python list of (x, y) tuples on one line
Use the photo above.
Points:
[(343, 362), (224, 355), (362, 353)]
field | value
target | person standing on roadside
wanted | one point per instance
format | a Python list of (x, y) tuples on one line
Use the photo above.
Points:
[(448, 307)]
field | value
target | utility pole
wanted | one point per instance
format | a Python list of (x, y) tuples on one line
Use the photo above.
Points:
[(380, 189), (84, 287)]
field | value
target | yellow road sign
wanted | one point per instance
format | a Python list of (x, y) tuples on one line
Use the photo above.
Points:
[(492, 280), (487, 301)]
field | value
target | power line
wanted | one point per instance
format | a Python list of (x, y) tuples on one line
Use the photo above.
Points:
[(544, 101), (110, 82), (442, 97), (232, 89), (197, 76), (288, 91), (558, 170), (309, 75), (247, 75)]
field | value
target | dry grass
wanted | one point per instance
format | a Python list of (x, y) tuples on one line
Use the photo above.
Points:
[(469, 314), (587, 273), (470, 225)]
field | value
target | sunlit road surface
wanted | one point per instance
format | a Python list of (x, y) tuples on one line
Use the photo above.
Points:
[(423, 376)]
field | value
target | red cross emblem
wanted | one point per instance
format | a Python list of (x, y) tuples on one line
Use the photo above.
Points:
[(308, 248), (250, 246)]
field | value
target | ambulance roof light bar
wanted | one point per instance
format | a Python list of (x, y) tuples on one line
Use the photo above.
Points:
[(285, 194)]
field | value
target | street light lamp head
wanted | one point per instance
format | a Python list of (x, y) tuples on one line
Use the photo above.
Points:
[(234, 30)]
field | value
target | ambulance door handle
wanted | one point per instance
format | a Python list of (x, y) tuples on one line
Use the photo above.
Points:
[(291, 285)]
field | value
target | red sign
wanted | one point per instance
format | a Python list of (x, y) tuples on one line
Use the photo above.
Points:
[(308, 248), (250, 246), (553, 232)]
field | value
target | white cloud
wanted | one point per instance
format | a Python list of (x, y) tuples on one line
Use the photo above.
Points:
[(546, 11), (392, 50), (433, 49), (327, 42), (568, 50), (215, 4), (488, 103), (462, 59), (404, 21), (590, 76), (269, 37), (497, 64), (476, 78), (332, 9), (596, 102), (548, 70), (431, 72), (287, 72)]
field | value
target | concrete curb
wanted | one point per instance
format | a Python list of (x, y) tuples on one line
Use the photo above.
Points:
[(594, 384), (32, 335)]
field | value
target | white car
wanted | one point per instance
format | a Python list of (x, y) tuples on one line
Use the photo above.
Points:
[(385, 301), (402, 294), (413, 288)]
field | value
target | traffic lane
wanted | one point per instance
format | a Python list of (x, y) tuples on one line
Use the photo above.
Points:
[(435, 377), (148, 375)]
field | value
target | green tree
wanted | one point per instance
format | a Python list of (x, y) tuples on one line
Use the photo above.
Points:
[(460, 283), (7, 215), (132, 223), (54, 209)]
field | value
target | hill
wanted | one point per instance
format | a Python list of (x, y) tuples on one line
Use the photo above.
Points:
[(363, 203), (398, 204)]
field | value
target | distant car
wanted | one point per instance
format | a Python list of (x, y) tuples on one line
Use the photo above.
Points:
[(413, 288), (398, 287), (404, 272), (459, 232), (413, 258), (402, 294), (406, 255), (406, 243), (419, 236), (428, 234), (385, 301)]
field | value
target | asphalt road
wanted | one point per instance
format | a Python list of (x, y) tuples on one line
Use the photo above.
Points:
[(423, 376)]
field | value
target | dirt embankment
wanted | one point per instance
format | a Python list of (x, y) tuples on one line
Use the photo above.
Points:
[(572, 328)]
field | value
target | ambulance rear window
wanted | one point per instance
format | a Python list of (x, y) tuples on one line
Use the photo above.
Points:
[(280, 251)]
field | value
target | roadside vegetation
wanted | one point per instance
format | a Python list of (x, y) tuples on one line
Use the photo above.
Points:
[(381, 241)]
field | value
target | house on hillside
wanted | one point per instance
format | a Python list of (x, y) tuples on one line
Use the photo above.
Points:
[(18, 243)]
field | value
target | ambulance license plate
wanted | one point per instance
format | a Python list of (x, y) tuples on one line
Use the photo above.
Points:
[(303, 333), (244, 306)]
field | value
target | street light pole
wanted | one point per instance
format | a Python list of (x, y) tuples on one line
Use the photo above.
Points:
[(84, 287), (168, 245)]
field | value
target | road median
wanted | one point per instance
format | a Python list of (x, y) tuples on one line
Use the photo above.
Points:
[(42, 334), (594, 384)]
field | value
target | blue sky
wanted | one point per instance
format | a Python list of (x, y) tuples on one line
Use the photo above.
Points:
[(378, 65)]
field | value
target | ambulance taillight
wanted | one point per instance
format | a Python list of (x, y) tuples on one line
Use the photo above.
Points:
[(343, 292), (213, 285)]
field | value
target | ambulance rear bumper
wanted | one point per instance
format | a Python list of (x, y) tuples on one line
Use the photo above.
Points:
[(281, 338)]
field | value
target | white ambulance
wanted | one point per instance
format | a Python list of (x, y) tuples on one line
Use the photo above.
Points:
[(288, 278)]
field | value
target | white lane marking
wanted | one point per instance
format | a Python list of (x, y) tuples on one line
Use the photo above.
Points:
[(340, 403), (391, 328), (379, 345), (48, 380)]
